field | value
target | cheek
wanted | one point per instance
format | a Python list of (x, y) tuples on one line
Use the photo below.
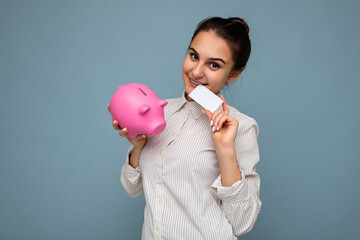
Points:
[(216, 78), (186, 66)]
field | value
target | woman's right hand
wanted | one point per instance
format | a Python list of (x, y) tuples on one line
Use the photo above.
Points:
[(139, 141)]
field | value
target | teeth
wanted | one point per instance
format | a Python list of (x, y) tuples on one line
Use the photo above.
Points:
[(194, 82)]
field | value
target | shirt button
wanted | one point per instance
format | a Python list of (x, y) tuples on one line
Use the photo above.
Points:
[(161, 151), (173, 134), (185, 115), (188, 105), (160, 201), (157, 227), (158, 176)]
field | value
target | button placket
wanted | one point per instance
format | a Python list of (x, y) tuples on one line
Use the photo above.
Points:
[(159, 195)]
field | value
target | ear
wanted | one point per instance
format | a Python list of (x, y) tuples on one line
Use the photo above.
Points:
[(144, 108), (163, 103), (234, 75)]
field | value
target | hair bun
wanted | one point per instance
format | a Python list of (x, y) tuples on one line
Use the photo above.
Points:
[(241, 21)]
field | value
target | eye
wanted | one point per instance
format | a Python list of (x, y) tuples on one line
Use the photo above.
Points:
[(214, 65), (194, 56)]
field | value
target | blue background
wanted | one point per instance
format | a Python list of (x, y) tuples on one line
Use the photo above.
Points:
[(61, 61)]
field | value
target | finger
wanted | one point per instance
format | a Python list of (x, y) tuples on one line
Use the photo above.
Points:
[(208, 114), (225, 105), (116, 125), (108, 106), (217, 118), (123, 132), (215, 114), (222, 120), (138, 137)]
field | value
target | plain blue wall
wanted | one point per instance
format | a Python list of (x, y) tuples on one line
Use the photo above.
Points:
[(61, 61)]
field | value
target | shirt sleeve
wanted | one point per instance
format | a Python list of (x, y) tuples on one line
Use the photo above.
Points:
[(240, 202), (131, 177)]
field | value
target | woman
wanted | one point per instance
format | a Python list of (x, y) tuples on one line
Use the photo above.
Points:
[(199, 175)]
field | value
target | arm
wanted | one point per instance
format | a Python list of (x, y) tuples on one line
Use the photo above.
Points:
[(230, 171), (130, 176), (238, 184), (240, 201), (130, 172)]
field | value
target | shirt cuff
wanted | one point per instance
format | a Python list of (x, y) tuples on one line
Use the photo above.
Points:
[(132, 174), (235, 193)]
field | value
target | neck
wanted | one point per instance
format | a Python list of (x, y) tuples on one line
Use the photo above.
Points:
[(189, 99)]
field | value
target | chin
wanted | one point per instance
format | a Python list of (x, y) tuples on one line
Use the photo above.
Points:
[(188, 90)]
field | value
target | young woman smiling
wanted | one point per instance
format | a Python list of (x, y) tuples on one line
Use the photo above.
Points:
[(199, 175)]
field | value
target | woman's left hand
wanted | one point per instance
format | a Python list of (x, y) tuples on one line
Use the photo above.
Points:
[(223, 127)]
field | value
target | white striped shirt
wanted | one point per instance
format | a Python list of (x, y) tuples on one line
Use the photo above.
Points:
[(180, 176)]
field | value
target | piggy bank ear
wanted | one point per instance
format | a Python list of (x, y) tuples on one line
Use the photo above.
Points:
[(144, 108), (163, 103)]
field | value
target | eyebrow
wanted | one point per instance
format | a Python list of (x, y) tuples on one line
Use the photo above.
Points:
[(213, 59)]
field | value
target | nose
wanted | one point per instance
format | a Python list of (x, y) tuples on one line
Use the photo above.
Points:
[(198, 71)]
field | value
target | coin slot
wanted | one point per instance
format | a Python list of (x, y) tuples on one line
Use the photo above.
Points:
[(142, 91)]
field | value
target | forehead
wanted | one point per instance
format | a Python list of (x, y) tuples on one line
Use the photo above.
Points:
[(209, 45)]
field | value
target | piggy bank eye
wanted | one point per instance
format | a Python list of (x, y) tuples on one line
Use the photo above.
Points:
[(144, 109)]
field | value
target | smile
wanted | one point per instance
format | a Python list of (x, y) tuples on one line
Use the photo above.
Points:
[(196, 83)]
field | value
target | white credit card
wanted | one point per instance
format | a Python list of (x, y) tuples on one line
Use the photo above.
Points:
[(206, 98)]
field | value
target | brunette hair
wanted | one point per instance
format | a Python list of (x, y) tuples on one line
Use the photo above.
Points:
[(234, 31)]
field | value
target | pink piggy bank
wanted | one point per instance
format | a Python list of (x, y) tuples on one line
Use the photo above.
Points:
[(136, 107)]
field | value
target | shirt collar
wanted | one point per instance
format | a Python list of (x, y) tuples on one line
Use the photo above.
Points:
[(195, 108)]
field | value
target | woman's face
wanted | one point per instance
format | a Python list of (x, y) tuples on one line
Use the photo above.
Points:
[(208, 62)]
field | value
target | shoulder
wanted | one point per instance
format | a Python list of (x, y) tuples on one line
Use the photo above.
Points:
[(245, 122), (172, 105), (172, 101)]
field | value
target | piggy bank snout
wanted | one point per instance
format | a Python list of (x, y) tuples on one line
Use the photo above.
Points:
[(156, 128)]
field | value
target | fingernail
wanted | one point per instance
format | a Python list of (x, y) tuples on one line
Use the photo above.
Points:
[(144, 136), (211, 123), (124, 129), (203, 111), (213, 129), (114, 122), (217, 129)]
